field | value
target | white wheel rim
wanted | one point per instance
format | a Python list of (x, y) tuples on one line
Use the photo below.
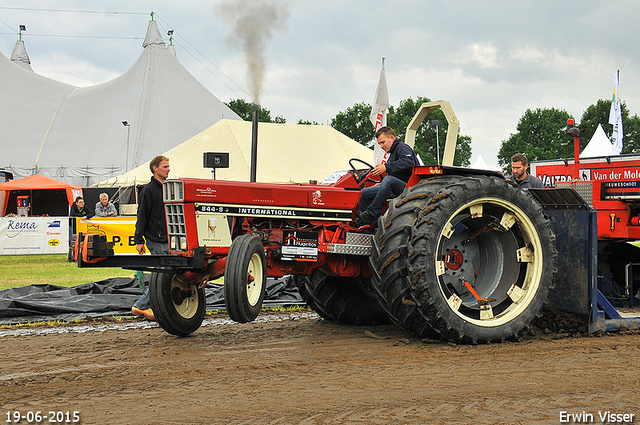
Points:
[(510, 298), (185, 307), (254, 279)]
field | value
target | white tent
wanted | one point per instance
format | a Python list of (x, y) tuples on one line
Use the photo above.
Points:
[(480, 164), (76, 134), (599, 145), (27, 105), (286, 153)]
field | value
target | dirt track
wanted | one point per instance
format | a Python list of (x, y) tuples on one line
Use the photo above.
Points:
[(315, 372)]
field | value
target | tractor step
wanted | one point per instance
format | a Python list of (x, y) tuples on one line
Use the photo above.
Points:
[(355, 244)]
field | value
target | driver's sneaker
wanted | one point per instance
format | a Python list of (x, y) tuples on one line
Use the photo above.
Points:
[(148, 313)]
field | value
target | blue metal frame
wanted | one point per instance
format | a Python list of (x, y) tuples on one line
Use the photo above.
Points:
[(576, 227)]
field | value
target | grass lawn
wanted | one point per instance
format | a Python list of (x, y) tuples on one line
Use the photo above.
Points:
[(23, 270)]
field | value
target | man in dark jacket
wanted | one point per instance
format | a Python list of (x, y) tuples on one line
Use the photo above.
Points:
[(151, 225), (519, 164), (398, 168), (78, 209)]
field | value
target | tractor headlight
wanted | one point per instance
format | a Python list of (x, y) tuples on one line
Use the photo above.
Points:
[(183, 243), (172, 243)]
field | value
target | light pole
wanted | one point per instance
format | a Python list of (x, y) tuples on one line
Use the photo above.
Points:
[(436, 125), (126, 124)]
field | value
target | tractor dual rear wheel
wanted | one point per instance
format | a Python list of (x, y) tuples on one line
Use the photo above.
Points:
[(179, 309), (301, 284), (345, 300), (468, 259)]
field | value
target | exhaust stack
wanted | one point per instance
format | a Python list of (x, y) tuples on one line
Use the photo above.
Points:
[(254, 143)]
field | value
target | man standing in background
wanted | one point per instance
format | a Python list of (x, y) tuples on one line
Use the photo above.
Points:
[(519, 164), (104, 208), (78, 209)]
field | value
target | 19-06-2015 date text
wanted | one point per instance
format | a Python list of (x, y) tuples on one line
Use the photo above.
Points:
[(43, 417)]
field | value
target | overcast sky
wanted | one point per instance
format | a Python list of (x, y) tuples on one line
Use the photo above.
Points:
[(492, 60)]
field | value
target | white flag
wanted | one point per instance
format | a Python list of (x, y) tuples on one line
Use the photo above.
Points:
[(615, 116), (379, 115)]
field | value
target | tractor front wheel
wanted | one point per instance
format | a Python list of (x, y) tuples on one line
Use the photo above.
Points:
[(245, 278), (178, 308)]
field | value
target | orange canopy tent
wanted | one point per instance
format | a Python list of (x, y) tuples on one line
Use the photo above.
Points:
[(44, 195)]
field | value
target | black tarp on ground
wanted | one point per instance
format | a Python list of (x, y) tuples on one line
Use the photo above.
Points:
[(111, 297)]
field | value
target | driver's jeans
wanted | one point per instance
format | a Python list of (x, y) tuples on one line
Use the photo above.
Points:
[(377, 196)]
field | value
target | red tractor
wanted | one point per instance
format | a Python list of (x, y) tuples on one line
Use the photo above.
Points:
[(461, 254)]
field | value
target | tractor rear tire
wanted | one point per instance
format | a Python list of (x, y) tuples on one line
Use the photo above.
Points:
[(245, 278), (300, 282), (346, 300), (468, 259), (179, 311)]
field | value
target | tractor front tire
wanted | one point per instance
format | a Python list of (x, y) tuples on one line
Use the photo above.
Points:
[(245, 278), (178, 310), (468, 259)]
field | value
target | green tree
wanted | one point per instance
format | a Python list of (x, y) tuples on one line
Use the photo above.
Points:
[(599, 114), (631, 137), (540, 135), (245, 110), (355, 123), (307, 122)]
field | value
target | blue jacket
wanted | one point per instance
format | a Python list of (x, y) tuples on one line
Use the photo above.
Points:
[(401, 160)]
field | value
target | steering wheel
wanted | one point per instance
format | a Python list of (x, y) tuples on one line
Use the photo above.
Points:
[(361, 176)]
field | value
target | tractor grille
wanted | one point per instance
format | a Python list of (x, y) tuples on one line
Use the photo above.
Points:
[(175, 226), (262, 195), (173, 191), (355, 244)]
